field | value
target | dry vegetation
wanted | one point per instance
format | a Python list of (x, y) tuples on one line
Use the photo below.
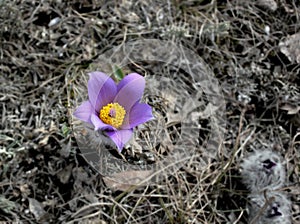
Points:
[(46, 45)]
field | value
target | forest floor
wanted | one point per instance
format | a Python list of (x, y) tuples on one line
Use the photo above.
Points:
[(250, 47)]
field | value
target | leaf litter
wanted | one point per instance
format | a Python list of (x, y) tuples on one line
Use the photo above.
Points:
[(45, 46)]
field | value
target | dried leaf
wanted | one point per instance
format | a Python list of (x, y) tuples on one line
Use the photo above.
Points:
[(291, 47), (124, 180), (36, 209), (269, 4), (44, 141), (65, 174), (291, 109)]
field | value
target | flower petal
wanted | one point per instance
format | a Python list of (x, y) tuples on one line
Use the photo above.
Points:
[(120, 137), (139, 113), (101, 89), (130, 90), (84, 112), (98, 124)]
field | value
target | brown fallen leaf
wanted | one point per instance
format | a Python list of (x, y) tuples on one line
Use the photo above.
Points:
[(65, 174), (291, 109), (294, 110), (269, 4), (36, 208), (291, 47), (124, 180)]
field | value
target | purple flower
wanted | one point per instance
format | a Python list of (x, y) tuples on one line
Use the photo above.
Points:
[(115, 109)]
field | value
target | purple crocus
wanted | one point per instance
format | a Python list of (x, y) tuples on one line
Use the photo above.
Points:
[(115, 108)]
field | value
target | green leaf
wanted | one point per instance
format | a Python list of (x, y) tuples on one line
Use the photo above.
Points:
[(65, 130), (118, 73)]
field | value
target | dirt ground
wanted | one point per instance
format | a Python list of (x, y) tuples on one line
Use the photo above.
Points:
[(253, 50)]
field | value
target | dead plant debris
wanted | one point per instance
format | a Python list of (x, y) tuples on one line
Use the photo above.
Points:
[(45, 45)]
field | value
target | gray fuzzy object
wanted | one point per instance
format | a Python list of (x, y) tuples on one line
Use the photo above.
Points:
[(263, 170), (271, 207)]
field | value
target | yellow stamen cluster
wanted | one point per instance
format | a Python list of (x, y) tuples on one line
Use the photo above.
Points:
[(112, 114)]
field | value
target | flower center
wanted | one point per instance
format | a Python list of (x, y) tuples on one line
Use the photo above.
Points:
[(112, 114)]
